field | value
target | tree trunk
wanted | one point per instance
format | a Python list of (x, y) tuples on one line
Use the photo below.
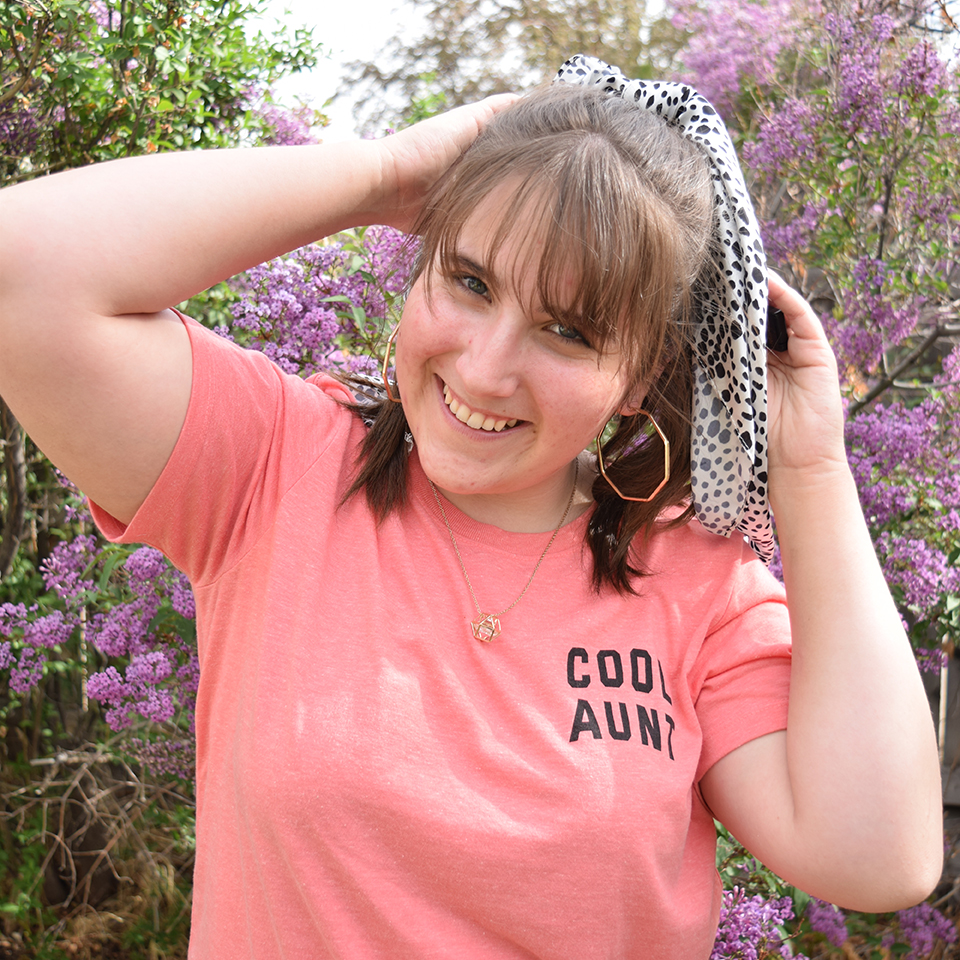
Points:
[(14, 477)]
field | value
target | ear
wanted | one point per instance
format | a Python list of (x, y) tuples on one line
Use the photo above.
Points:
[(633, 404)]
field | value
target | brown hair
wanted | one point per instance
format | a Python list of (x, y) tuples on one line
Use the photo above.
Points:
[(621, 201)]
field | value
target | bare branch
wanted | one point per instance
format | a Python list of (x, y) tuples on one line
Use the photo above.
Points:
[(15, 474)]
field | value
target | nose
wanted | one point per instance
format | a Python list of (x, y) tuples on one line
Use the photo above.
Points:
[(491, 361)]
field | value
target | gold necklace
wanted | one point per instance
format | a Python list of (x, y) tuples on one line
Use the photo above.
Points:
[(487, 625)]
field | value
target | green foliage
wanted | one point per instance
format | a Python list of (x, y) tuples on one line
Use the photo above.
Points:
[(105, 79)]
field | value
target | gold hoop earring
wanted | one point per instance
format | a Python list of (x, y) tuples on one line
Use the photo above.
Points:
[(666, 464), (386, 364)]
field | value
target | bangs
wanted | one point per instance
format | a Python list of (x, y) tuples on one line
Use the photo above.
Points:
[(607, 246)]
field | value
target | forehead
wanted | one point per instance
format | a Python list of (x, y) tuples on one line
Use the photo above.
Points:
[(513, 234)]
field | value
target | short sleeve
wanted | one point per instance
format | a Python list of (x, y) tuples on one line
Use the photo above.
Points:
[(250, 432), (744, 665)]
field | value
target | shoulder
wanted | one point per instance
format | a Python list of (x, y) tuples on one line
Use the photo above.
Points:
[(697, 567)]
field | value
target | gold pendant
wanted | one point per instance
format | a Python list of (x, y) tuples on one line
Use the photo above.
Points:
[(487, 628)]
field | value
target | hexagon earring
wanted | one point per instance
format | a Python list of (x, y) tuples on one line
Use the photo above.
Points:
[(666, 464), (385, 365)]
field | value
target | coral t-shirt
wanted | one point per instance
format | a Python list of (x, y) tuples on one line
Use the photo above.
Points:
[(372, 782)]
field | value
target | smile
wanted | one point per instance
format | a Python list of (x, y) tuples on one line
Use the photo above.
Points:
[(478, 421)]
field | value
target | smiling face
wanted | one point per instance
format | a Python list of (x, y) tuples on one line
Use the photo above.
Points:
[(500, 394)]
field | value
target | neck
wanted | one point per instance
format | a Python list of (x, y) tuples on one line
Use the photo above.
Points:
[(530, 511)]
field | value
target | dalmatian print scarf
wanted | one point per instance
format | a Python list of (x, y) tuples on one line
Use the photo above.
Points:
[(729, 452)]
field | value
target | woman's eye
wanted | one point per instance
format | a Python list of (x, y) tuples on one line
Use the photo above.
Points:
[(568, 333), (475, 285)]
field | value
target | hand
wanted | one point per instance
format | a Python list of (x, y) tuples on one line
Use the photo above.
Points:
[(414, 159), (805, 412)]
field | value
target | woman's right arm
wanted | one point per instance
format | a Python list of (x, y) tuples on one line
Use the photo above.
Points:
[(92, 361)]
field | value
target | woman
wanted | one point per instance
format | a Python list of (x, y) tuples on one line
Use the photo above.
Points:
[(373, 782)]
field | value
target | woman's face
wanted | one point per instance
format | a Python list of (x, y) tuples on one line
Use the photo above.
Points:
[(500, 398)]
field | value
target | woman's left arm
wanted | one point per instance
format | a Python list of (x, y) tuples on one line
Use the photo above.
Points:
[(845, 803)]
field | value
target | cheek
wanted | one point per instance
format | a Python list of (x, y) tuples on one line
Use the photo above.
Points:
[(583, 406), (426, 330)]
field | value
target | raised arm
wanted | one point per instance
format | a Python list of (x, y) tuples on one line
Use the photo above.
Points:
[(92, 361), (846, 803)]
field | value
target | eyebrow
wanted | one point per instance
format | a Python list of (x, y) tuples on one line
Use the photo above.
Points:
[(465, 263)]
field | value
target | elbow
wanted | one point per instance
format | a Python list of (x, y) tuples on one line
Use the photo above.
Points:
[(896, 883)]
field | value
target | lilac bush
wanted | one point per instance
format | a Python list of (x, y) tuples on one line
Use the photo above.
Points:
[(855, 163), (322, 307), (736, 47)]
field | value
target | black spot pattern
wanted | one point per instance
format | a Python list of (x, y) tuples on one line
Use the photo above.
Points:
[(729, 461)]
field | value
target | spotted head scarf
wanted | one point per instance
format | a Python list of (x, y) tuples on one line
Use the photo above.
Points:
[(729, 446)]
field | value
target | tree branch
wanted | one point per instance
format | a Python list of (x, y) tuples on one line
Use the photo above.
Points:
[(888, 381), (15, 472)]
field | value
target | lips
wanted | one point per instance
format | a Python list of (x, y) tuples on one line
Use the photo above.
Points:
[(472, 418)]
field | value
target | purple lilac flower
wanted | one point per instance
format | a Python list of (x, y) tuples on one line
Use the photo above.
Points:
[(181, 596), (920, 570), (860, 102), (289, 307), (784, 241), (787, 136), (930, 660), (48, 631), (124, 630), (136, 692), (921, 72), (145, 564), (285, 126), (829, 920), (62, 570), (732, 41), (165, 757), (920, 928), (101, 14), (20, 129), (28, 671), (748, 925)]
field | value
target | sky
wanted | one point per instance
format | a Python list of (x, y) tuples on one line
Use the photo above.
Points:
[(348, 31)]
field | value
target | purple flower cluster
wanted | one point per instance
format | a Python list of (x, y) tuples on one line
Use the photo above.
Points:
[(748, 928), (783, 240), (162, 669), (284, 126), (63, 571), (787, 136), (921, 572), (27, 634), (921, 928), (904, 461), (861, 96), (872, 318), (734, 43), (829, 920), (311, 310), (172, 758)]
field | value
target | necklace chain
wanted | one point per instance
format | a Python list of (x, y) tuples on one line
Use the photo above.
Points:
[(487, 625)]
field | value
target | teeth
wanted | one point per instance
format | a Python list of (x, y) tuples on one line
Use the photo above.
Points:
[(472, 419)]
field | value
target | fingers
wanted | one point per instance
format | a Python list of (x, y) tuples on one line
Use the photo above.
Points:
[(800, 319), (415, 158)]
